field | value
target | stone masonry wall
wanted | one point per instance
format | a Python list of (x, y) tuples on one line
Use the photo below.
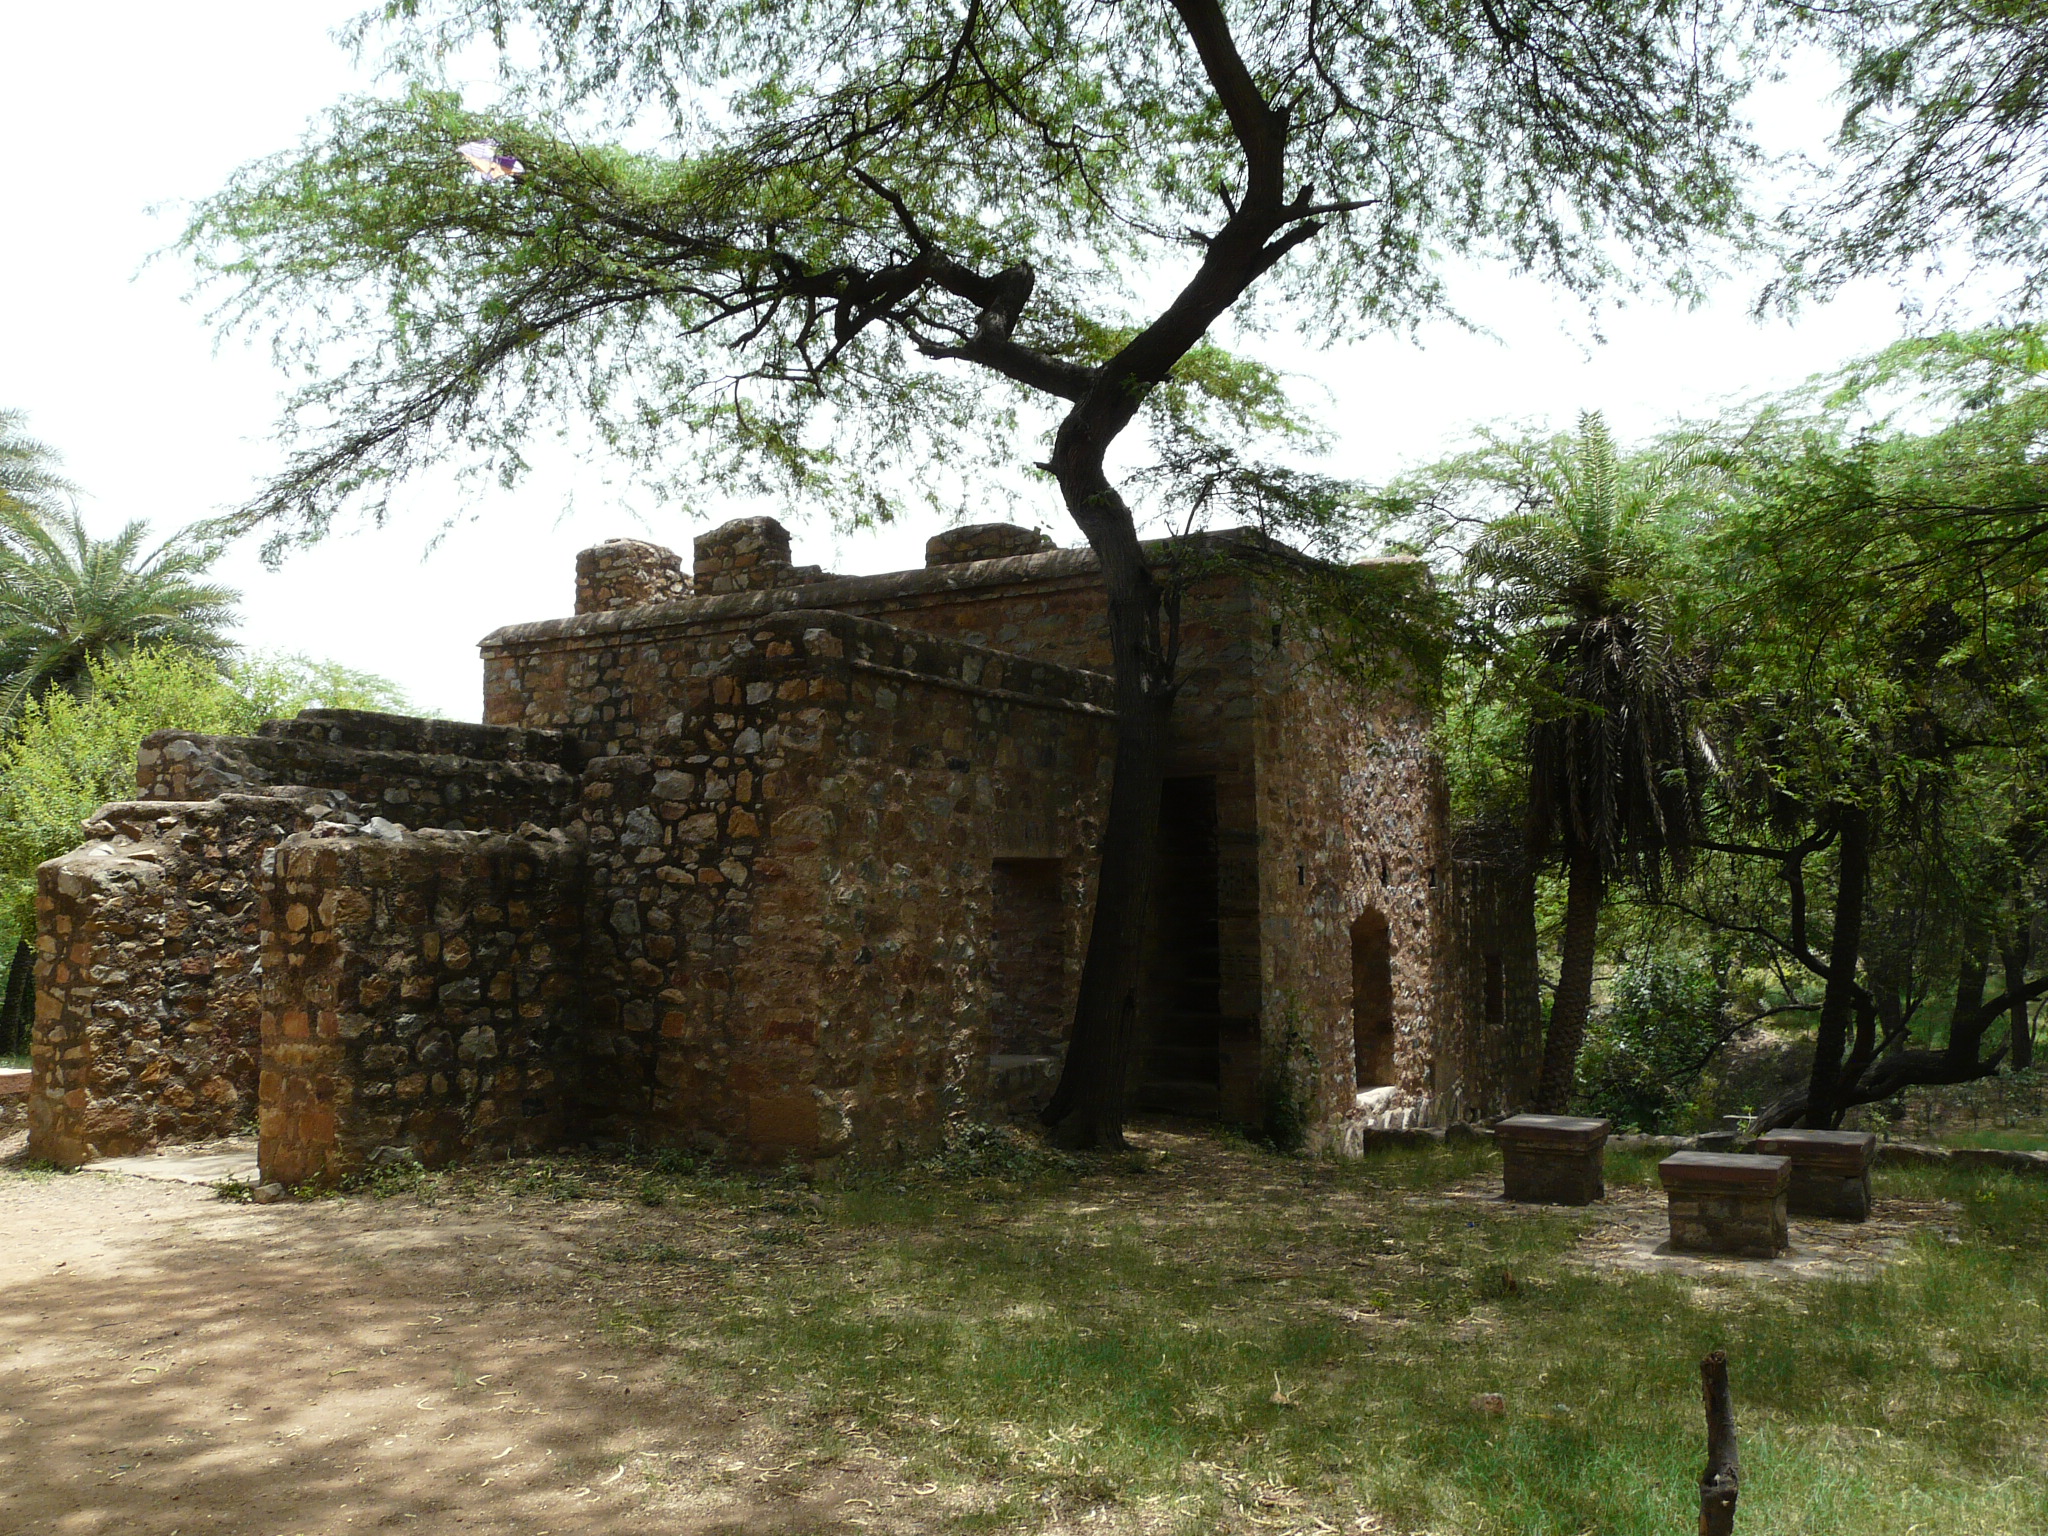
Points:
[(1493, 1032), (147, 992), (626, 573), (415, 772), (1351, 812), (421, 991), (983, 541), (620, 683), (790, 892), (749, 554)]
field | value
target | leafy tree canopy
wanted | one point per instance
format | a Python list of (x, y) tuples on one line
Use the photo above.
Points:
[(835, 247), (1943, 150), (67, 598)]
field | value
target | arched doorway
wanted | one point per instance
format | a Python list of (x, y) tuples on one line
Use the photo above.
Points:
[(1372, 1000)]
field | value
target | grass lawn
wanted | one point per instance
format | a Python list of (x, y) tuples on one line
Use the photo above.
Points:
[(1206, 1336), (2004, 1141)]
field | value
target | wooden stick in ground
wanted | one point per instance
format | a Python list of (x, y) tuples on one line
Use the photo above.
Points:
[(1719, 1483)]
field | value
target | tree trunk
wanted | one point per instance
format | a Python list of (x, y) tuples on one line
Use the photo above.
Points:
[(1722, 1481), (2015, 956), (18, 1003), (1586, 887), (1087, 1108), (1824, 1098)]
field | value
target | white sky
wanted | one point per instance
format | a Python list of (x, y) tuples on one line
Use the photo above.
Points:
[(113, 110)]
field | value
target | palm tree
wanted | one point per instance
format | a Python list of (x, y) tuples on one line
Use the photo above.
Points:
[(28, 469), (66, 597), (1572, 581)]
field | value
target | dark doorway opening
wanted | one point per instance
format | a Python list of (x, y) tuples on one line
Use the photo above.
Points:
[(1372, 1000), (1027, 958), (1182, 1072)]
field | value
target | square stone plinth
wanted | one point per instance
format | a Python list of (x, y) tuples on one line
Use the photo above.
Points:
[(1552, 1159), (1727, 1202), (1830, 1170)]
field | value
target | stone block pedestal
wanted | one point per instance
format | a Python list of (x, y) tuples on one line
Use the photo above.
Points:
[(1552, 1159), (1727, 1203), (1830, 1170)]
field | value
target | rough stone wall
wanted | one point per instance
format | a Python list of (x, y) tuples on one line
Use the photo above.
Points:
[(749, 554), (615, 679), (790, 893), (1351, 816), (1493, 1032), (416, 772), (983, 541), (622, 682), (421, 992), (626, 573), (147, 993)]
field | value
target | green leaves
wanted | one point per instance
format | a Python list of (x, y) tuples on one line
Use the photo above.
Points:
[(858, 253), (67, 598)]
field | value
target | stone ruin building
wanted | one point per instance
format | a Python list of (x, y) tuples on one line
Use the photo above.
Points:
[(777, 864)]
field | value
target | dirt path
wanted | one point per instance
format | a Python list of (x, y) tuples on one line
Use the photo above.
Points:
[(172, 1363)]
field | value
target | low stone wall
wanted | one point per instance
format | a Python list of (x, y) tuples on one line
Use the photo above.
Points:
[(416, 772), (420, 990), (147, 994)]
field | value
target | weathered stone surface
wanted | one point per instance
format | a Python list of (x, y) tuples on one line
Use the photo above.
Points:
[(983, 541), (1552, 1159), (1727, 1203), (443, 773), (749, 554), (419, 993), (1830, 1170), (626, 573), (14, 1091), (146, 975)]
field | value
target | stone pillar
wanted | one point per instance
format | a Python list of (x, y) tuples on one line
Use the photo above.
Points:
[(749, 554), (626, 573), (1552, 1159), (983, 541), (1830, 1170), (1727, 1203)]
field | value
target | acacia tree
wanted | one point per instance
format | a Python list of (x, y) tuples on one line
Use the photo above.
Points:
[(1943, 148), (1881, 720), (872, 244)]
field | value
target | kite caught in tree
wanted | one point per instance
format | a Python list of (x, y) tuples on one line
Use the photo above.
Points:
[(488, 163)]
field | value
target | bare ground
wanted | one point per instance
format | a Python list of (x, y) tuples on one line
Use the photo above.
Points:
[(173, 1363)]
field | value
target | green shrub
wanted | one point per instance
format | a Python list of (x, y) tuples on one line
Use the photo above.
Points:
[(1646, 1048)]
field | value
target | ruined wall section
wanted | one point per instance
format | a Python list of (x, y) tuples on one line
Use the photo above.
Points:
[(616, 678), (1353, 816), (627, 573), (790, 893), (420, 993), (147, 996), (416, 772), (1494, 1011)]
